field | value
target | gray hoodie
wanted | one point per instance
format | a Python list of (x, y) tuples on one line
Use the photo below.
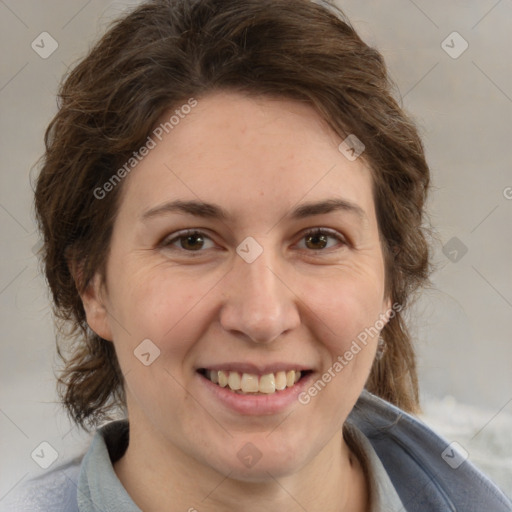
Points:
[(409, 468)]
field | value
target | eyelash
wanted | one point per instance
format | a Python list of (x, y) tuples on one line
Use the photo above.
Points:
[(168, 242)]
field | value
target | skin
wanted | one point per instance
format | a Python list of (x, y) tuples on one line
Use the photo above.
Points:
[(259, 158)]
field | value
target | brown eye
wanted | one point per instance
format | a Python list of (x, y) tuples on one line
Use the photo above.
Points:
[(316, 241), (190, 241), (319, 239)]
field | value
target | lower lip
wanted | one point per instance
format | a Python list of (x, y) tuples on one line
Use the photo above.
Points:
[(256, 405)]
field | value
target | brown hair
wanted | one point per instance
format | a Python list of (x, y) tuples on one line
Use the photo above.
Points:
[(154, 59)]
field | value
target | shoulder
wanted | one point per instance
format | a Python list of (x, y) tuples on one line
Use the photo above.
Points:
[(56, 490), (428, 472)]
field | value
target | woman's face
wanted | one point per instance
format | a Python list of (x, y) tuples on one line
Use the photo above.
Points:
[(247, 243)]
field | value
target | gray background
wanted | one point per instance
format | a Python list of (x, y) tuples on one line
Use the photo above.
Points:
[(464, 108)]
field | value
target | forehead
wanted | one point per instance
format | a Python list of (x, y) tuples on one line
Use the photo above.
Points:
[(257, 154)]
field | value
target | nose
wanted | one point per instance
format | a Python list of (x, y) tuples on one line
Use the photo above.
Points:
[(259, 303)]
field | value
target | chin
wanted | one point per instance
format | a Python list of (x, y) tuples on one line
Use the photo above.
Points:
[(261, 472), (256, 461)]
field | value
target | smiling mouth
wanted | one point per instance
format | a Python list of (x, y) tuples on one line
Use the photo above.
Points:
[(252, 384)]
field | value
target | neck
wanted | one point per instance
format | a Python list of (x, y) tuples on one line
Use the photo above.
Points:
[(332, 481)]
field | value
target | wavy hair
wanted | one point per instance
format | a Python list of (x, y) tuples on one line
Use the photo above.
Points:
[(154, 59)]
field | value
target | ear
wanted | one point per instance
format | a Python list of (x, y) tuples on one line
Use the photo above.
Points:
[(386, 307), (93, 300), (93, 297)]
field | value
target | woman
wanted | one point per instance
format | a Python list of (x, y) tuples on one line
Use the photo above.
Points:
[(232, 209)]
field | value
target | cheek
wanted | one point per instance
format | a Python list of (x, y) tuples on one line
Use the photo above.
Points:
[(345, 305), (167, 308), (346, 319), (345, 326), (173, 314)]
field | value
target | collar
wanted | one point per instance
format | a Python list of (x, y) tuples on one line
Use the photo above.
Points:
[(99, 488)]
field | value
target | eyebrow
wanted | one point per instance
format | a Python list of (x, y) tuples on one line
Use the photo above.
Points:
[(327, 206), (213, 211)]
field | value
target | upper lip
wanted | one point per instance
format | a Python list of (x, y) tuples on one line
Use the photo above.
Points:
[(256, 369)]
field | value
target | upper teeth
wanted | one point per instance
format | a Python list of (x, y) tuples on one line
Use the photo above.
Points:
[(251, 383)]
